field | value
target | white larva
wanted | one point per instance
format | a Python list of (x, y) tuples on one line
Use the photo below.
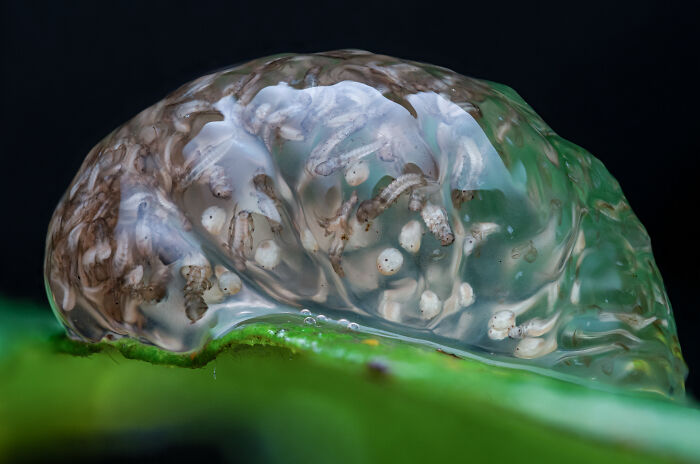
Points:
[(390, 310), (410, 236), (213, 295), (502, 320), (479, 233), (308, 241), (533, 328), (143, 239), (430, 304), (213, 219), (357, 173), (435, 218), (268, 254), (500, 323), (466, 295), (532, 347), (497, 334), (196, 260), (469, 245), (230, 283), (219, 270), (389, 261)]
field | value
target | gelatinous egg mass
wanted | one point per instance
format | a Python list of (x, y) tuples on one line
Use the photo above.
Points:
[(400, 196)]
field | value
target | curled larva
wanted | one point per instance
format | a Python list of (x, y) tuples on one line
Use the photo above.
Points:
[(430, 304), (219, 183), (466, 295), (533, 328), (410, 236), (338, 226), (389, 261), (268, 254), (230, 283), (196, 271), (357, 173), (214, 219), (500, 323), (533, 347), (435, 219), (240, 236), (370, 209)]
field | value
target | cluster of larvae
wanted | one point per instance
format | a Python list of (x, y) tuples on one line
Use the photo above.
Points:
[(402, 196)]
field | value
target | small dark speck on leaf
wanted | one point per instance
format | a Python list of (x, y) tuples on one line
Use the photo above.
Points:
[(378, 369), (447, 354)]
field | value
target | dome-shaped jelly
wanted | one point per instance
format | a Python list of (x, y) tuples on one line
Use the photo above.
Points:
[(399, 195)]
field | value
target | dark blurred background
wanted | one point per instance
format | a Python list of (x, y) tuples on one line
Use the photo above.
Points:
[(617, 78)]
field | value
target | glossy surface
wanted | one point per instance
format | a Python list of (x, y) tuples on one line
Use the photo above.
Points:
[(400, 196)]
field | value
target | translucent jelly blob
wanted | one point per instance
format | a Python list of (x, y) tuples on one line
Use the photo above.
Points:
[(397, 196)]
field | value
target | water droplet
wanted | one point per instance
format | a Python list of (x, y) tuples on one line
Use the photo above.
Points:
[(305, 312), (309, 321), (344, 322), (322, 318), (353, 326)]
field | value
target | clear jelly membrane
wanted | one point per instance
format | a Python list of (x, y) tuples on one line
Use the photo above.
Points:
[(405, 198)]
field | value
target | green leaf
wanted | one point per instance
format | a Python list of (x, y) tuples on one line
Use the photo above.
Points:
[(283, 391)]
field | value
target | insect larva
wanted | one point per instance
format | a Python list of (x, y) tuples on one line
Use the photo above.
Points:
[(435, 219), (370, 209), (530, 348), (213, 219), (429, 304), (339, 222), (410, 236), (218, 182), (416, 200), (338, 225), (196, 284), (533, 328), (389, 261), (357, 173), (240, 238), (268, 254), (461, 196), (500, 323)]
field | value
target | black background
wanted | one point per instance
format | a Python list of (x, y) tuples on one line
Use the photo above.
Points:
[(615, 78)]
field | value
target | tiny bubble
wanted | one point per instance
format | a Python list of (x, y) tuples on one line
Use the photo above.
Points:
[(309, 321), (353, 326), (305, 312), (322, 318)]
